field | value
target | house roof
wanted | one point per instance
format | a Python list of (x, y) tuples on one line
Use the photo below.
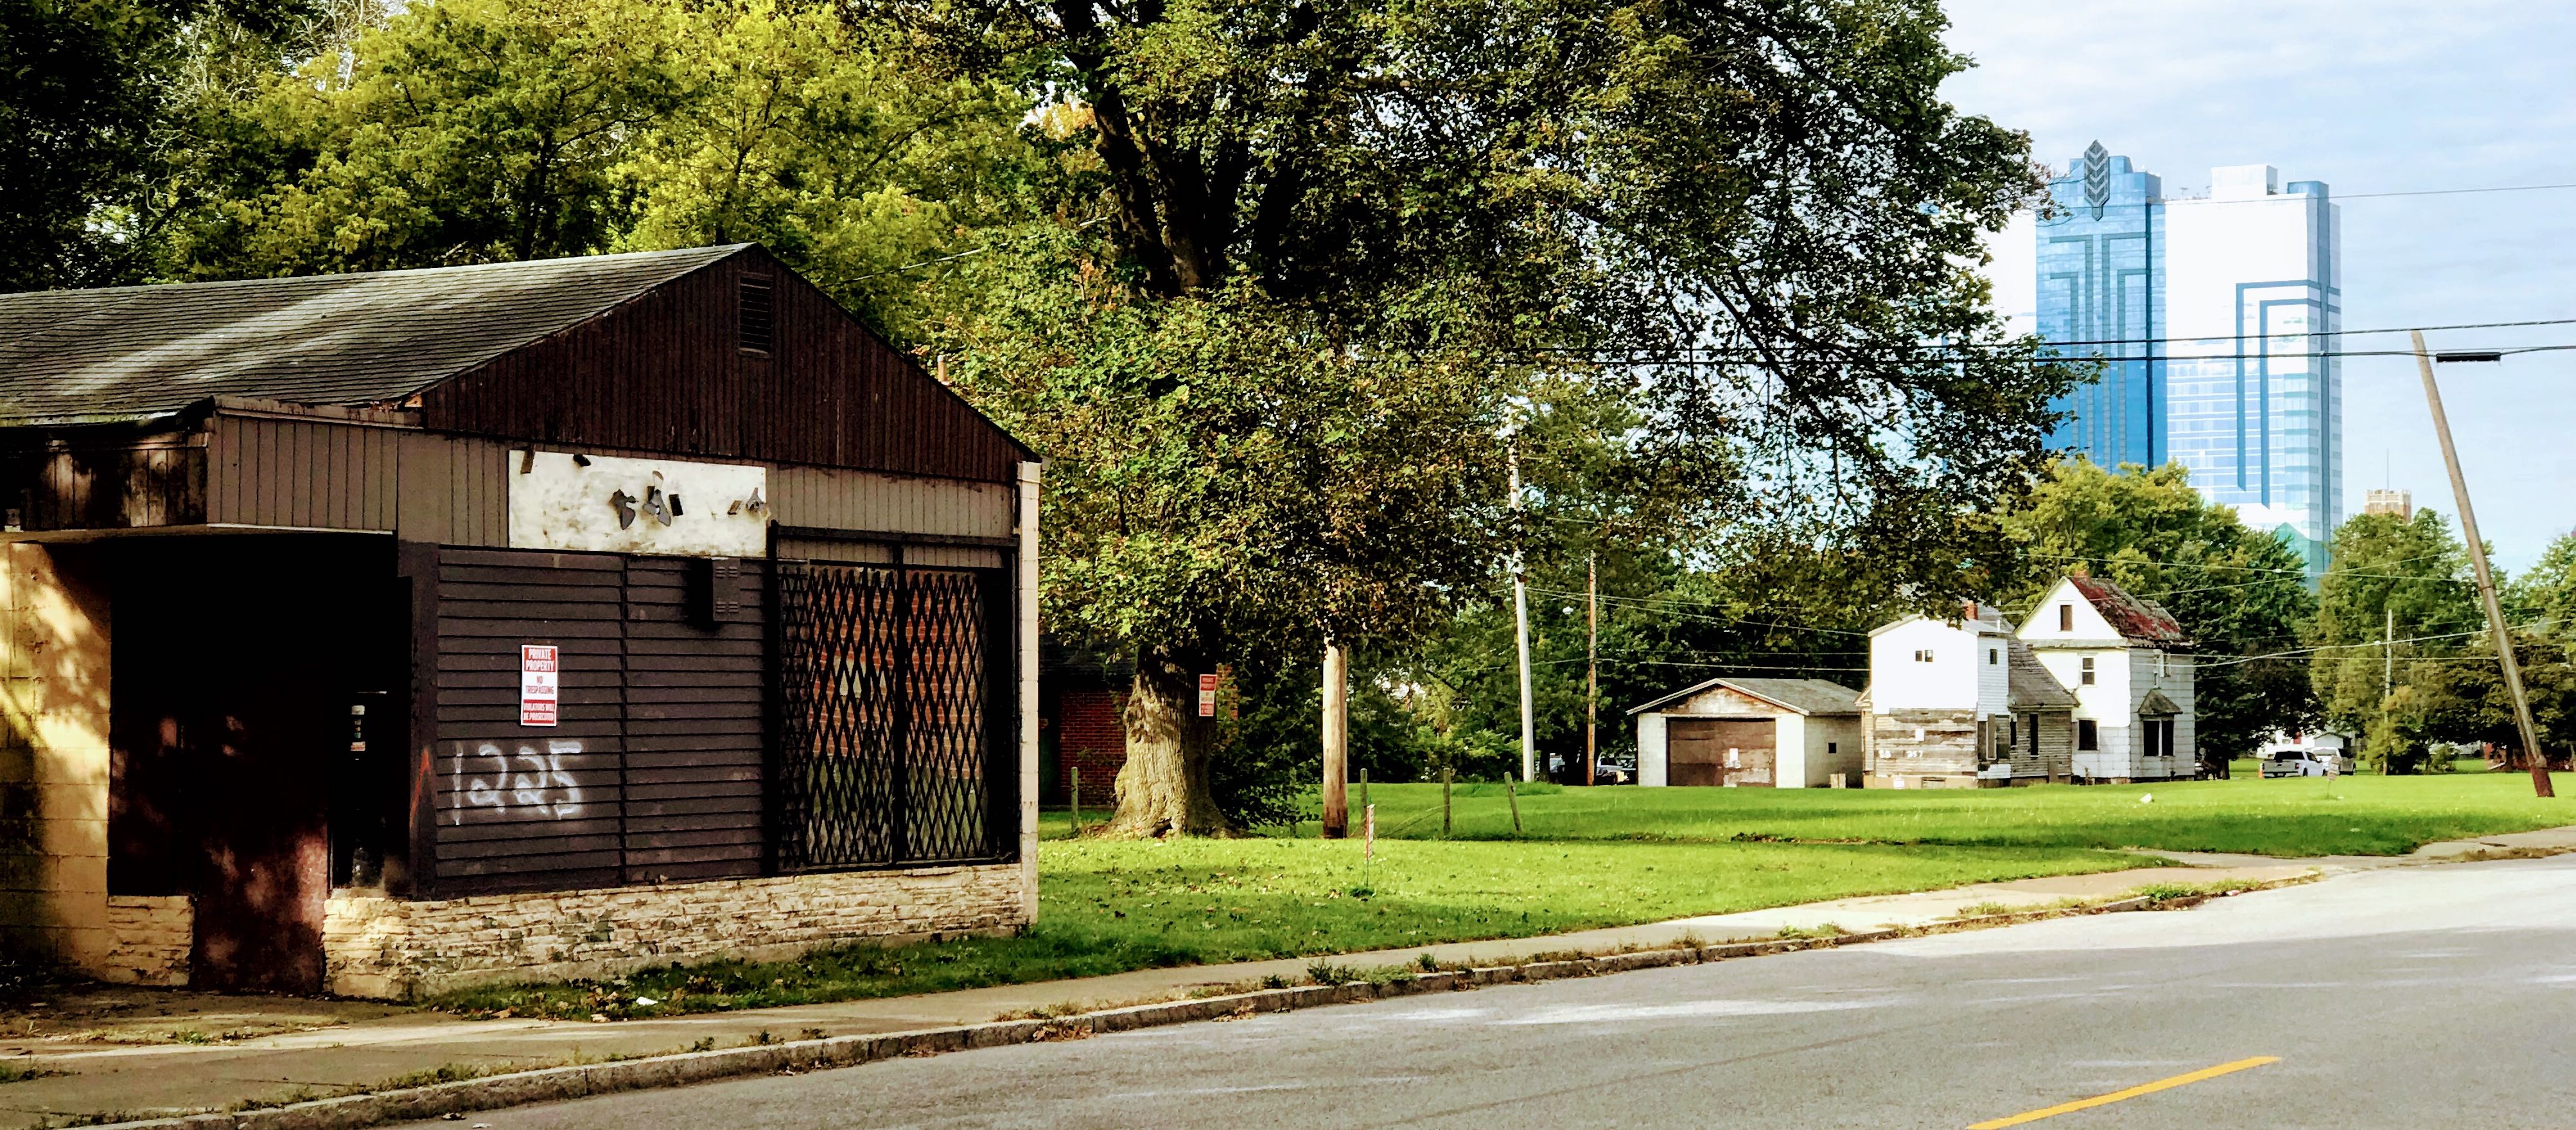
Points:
[(2137, 619), (1805, 696), (1989, 621), (135, 352), (2030, 686), (2156, 703)]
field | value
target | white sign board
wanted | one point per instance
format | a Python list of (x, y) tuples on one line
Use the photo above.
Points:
[(540, 684), (608, 504)]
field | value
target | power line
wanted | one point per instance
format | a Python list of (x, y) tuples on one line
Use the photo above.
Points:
[(2328, 197)]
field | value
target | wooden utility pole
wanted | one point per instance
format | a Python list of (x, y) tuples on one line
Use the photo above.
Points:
[(1337, 740), (1520, 635), (2540, 785), (2387, 680), (1591, 666)]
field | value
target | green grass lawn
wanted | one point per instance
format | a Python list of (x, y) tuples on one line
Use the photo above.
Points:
[(2295, 816), (1110, 906), (1586, 858)]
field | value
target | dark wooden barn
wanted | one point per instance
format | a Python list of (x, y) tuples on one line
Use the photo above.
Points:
[(383, 632)]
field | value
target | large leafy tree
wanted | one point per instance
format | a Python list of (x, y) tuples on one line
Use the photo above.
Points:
[(1755, 212), (479, 130), (2396, 597), (92, 117), (2239, 593)]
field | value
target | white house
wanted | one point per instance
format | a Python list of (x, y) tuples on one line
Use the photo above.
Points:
[(1961, 703), (2130, 668), (1782, 733)]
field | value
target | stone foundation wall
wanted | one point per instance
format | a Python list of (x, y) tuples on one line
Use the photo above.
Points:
[(149, 940), (395, 948)]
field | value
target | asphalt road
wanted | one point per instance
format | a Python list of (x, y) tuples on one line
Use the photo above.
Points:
[(2412, 997)]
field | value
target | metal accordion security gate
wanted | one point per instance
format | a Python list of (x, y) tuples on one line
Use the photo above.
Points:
[(890, 733)]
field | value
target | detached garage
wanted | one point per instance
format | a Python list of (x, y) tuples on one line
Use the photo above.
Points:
[(1750, 733)]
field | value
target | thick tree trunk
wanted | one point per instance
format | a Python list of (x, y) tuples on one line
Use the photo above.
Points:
[(1163, 788)]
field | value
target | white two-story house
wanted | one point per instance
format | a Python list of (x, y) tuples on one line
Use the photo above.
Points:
[(2130, 668), (1961, 703)]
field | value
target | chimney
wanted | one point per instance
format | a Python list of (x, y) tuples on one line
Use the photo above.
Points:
[(2080, 570), (1971, 611)]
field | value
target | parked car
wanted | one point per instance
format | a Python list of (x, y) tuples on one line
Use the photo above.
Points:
[(1615, 768), (2304, 763)]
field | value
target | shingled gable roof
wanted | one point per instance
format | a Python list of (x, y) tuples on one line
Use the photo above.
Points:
[(134, 352), (1806, 696), (2138, 620)]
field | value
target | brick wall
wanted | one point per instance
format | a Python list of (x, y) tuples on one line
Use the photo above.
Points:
[(1091, 740), (394, 948), (149, 940)]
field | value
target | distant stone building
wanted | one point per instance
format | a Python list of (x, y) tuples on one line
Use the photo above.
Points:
[(2397, 502)]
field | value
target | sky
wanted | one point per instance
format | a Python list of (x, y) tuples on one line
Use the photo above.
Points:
[(2368, 97)]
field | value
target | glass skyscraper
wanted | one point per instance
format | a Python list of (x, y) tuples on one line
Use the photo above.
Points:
[(2101, 294), (2217, 318)]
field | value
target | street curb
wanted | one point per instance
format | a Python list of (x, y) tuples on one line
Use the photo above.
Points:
[(555, 1084)]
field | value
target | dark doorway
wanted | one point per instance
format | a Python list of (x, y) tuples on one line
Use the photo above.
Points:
[(237, 660), (1719, 751)]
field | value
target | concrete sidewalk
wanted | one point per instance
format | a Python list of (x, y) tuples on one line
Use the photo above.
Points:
[(325, 1048)]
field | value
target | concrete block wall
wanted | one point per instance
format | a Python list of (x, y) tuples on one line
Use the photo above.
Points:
[(150, 940), (54, 759), (394, 948)]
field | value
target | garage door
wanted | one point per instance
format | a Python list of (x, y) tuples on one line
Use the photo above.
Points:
[(1720, 751)]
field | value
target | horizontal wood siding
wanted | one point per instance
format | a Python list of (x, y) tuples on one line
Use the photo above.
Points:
[(666, 372), (694, 712), (654, 773), (522, 807), (305, 474)]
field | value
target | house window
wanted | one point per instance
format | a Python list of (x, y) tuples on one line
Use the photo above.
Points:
[(2088, 734), (1923, 656), (2160, 737), (1832, 748), (2034, 735), (2087, 677), (1994, 655), (2066, 617)]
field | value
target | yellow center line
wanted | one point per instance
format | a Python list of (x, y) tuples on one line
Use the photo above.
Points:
[(2131, 1093)]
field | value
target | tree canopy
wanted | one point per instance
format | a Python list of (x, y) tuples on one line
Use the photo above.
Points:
[(2239, 593)]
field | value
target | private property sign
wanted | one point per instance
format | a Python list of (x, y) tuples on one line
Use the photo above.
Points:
[(538, 685), (1207, 696)]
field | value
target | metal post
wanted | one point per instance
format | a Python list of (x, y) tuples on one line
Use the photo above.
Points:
[(1521, 637), (2540, 785), (2387, 679)]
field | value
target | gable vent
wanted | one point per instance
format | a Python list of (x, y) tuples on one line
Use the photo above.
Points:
[(757, 316)]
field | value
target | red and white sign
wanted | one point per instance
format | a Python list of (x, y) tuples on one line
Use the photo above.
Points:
[(1207, 696), (538, 685), (1368, 833)]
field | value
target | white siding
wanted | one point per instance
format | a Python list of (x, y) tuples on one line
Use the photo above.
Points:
[(1789, 752), (1650, 749), (1898, 681), (1832, 746)]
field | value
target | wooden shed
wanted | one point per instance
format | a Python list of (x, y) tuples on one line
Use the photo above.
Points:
[(377, 633), (1753, 733)]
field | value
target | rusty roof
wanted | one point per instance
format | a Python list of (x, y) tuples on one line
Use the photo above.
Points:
[(2137, 619), (135, 352)]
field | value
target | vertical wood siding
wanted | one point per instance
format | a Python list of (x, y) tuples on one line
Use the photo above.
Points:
[(826, 498), (666, 373), (654, 773), (307, 474)]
